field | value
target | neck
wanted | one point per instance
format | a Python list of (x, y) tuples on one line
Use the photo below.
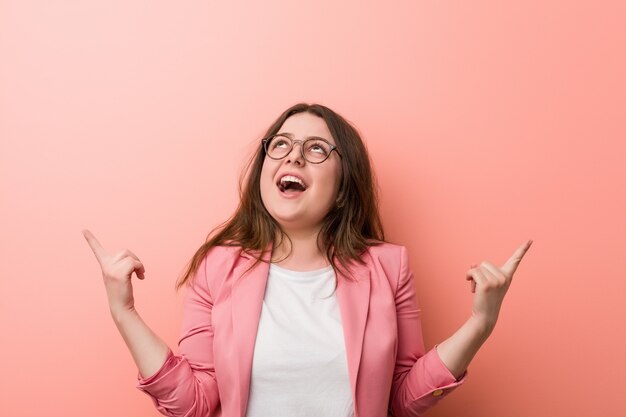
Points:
[(304, 255)]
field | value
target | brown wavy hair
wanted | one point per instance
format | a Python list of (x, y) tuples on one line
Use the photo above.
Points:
[(349, 228)]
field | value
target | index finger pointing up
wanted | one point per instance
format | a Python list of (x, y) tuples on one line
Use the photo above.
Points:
[(511, 265), (97, 249)]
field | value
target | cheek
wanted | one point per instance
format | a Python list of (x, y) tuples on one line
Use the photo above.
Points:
[(332, 183)]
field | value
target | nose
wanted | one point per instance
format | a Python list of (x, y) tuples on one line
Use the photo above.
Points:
[(297, 156)]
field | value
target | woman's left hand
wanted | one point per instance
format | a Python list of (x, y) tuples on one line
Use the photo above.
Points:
[(490, 284)]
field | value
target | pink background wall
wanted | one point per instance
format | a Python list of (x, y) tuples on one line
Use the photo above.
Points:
[(488, 124)]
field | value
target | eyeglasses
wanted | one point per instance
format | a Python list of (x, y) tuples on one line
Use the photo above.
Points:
[(314, 150)]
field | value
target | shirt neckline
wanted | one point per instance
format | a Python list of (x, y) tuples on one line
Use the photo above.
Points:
[(291, 272)]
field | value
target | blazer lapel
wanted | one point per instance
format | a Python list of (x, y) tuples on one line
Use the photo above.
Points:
[(353, 298), (247, 302)]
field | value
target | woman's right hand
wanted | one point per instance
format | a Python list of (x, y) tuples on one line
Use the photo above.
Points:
[(117, 270)]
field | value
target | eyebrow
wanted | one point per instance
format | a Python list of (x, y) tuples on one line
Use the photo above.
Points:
[(291, 135)]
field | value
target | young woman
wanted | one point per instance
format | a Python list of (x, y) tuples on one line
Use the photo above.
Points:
[(297, 306)]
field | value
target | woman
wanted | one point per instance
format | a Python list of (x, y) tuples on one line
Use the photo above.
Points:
[(297, 306)]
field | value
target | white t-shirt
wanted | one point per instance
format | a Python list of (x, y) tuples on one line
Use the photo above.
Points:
[(299, 367)]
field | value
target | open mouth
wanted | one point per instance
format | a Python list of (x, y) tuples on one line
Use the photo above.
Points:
[(291, 184)]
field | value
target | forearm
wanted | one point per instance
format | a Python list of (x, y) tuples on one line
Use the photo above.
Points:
[(458, 350), (148, 350)]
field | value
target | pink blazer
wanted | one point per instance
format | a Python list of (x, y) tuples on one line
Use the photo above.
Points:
[(390, 373)]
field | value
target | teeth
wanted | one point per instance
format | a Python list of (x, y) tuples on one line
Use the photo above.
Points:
[(291, 178)]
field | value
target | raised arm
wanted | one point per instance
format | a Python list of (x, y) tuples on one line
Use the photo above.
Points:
[(147, 349), (489, 284)]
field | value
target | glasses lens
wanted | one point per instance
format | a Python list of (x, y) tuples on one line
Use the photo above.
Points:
[(316, 150), (278, 146)]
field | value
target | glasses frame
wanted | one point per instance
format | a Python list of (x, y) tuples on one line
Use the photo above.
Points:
[(267, 140)]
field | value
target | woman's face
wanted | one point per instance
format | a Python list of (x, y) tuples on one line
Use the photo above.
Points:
[(293, 209)]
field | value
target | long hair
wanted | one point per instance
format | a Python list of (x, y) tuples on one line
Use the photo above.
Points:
[(350, 227)]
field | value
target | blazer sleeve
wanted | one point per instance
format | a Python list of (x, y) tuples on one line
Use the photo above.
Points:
[(420, 380), (185, 385)]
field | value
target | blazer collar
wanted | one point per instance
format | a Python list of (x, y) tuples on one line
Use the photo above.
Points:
[(247, 301)]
